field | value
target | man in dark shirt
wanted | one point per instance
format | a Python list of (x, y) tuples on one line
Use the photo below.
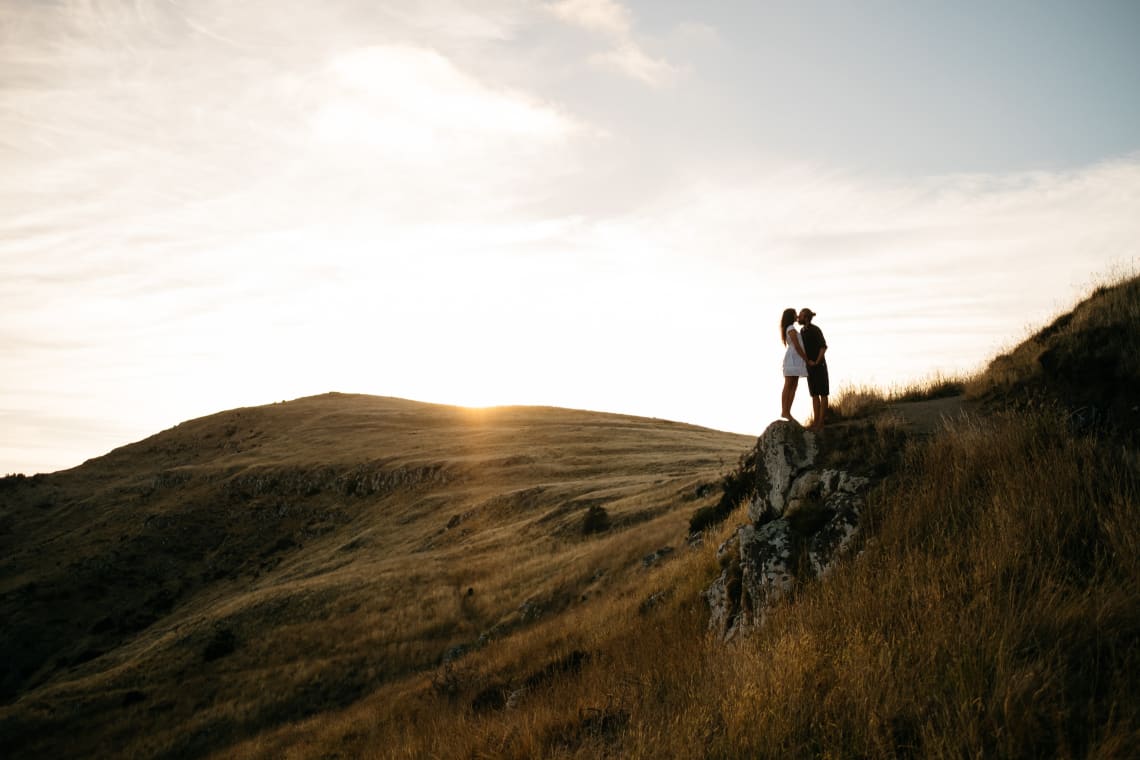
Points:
[(815, 346)]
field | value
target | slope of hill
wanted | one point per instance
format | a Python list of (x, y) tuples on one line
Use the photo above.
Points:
[(1088, 359), (259, 565), (347, 576)]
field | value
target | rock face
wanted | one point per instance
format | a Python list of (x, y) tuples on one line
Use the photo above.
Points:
[(785, 451), (801, 521)]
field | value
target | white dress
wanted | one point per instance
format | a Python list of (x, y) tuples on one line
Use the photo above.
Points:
[(794, 364)]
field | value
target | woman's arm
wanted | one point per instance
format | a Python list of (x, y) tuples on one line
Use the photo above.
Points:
[(794, 337)]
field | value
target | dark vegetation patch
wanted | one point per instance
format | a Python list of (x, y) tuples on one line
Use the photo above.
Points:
[(593, 726), (491, 698), (13, 481), (862, 448), (569, 507), (596, 520), (570, 664), (1086, 361), (736, 488), (223, 642), (133, 697), (496, 695)]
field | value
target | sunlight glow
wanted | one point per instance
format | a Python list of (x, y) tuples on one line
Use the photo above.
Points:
[(580, 203), (414, 102)]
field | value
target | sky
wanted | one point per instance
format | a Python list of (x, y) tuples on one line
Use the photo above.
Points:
[(593, 204)]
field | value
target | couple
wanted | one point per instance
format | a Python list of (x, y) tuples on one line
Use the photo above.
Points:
[(804, 358)]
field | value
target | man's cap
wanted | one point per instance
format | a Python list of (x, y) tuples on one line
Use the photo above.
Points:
[(809, 312)]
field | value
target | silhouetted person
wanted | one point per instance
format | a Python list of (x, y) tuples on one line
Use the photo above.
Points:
[(795, 361), (815, 346)]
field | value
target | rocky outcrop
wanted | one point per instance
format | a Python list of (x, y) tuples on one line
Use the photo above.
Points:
[(784, 452), (801, 521), (363, 480)]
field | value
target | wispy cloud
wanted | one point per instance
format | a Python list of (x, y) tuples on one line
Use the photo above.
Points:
[(416, 103), (630, 59), (615, 24), (913, 275), (605, 16), (210, 204)]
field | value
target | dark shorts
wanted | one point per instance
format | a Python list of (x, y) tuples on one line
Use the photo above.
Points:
[(818, 382)]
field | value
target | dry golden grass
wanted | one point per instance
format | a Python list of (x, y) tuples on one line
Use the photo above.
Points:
[(1086, 352), (236, 573), (288, 581), (856, 402), (861, 401), (993, 615)]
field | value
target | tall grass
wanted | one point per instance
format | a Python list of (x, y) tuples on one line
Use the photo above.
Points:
[(993, 611), (993, 614), (1090, 354), (860, 401)]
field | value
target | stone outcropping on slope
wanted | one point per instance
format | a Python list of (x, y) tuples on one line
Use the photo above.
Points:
[(801, 521)]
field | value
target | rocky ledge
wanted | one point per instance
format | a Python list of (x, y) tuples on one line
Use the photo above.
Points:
[(802, 519)]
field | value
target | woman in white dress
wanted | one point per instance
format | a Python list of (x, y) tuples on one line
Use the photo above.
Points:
[(795, 361)]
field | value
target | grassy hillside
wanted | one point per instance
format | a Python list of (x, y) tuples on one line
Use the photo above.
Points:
[(258, 566), (1087, 359), (360, 577)]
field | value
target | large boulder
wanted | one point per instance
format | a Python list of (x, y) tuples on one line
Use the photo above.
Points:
[(758, 567), (783, 452), (802, 520), (832, 541)]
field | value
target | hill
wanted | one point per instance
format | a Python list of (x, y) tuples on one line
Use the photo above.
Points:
[(257, 566), (1087, 359), (349, 576)]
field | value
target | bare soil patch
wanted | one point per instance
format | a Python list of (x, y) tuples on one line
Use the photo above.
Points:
[(927, 417)]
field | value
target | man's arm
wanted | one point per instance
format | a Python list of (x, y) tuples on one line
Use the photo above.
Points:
[(822, 349)]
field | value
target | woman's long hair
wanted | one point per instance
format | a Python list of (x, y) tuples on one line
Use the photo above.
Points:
[(789, 318)]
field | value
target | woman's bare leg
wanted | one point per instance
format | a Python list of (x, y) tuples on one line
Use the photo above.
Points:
[(788, 396)]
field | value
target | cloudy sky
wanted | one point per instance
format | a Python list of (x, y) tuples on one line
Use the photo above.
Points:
[(207, 204)]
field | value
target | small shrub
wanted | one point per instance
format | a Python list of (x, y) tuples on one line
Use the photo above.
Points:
[(705, 517), (449, 681), (133, 697), (855, 403), (490, 699), (597, 726), (934, 387), (597, 520), (222, 643), (13, 480)]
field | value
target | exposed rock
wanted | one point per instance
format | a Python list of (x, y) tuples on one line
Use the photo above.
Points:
[(767, 556), (723, 613), (651, 601), (784, 451), (795, 510), (515, 698), (803, 492), (832, 541), (831, 490), (363, 480), (530, 610), (654, 557)]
